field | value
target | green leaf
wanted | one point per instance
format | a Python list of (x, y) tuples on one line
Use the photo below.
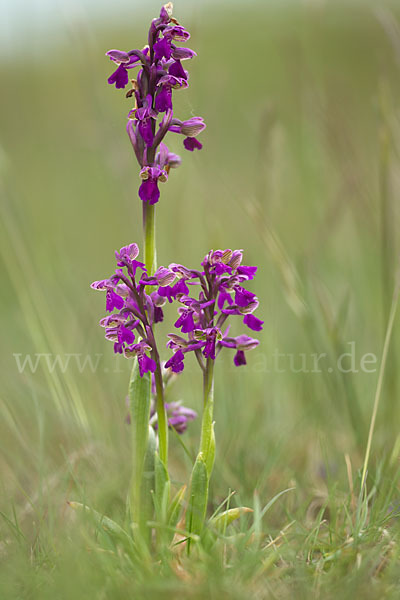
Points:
[(273, 500), (198, 497), (256, 528), (103, 522), (175, 507), (221, 521), (139, 402), (148, 480), (207, 441)]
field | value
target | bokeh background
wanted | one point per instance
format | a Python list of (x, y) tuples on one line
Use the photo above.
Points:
[(300, 168)]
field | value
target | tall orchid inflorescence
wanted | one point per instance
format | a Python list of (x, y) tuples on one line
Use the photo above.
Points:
[(160, 72), (206, 298)]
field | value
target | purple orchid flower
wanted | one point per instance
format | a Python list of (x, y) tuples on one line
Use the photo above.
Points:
[(253, 323), (120, 76), (176, 362), (192, 143), (148, 190), (160, 72), (146, 364)]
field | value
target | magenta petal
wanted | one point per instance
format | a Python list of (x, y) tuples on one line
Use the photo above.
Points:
[(118, 348), (176, 70), (162, 49), (119, 77), (146, 131), (239, 358), (224, 297), (243, 297), (186, 322), (253, 323), (125, 335), (158, 314), (175, 363), (191, 143), (209, 350), (149, 192), (113, 301), (163, 100), (248, 272), (146, 364)]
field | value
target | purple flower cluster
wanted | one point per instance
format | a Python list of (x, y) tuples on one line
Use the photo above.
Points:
[(206, 298), (136, 311), (202, 315), (160, 72)]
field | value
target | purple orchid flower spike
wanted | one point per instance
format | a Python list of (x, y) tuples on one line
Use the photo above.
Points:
[(160, 71), (136, 311), (220, 295)]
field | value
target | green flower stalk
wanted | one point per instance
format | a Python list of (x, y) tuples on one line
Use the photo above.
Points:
[(207, 440)]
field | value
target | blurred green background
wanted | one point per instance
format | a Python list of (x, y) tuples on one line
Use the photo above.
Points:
[(300, 168)]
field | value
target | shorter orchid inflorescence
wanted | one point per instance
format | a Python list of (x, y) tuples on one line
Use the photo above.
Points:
[(137, 311), (215, 293), (160, 72), (206, 299)]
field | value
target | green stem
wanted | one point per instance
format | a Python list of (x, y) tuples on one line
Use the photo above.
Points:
[(200, 478), (150, 259), (207, 442), (149, 230), (161, 416)]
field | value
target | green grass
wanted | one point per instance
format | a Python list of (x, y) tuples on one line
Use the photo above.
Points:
[(300, 168)]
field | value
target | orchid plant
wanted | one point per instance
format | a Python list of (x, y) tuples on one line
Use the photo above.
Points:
[(207, 298)]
